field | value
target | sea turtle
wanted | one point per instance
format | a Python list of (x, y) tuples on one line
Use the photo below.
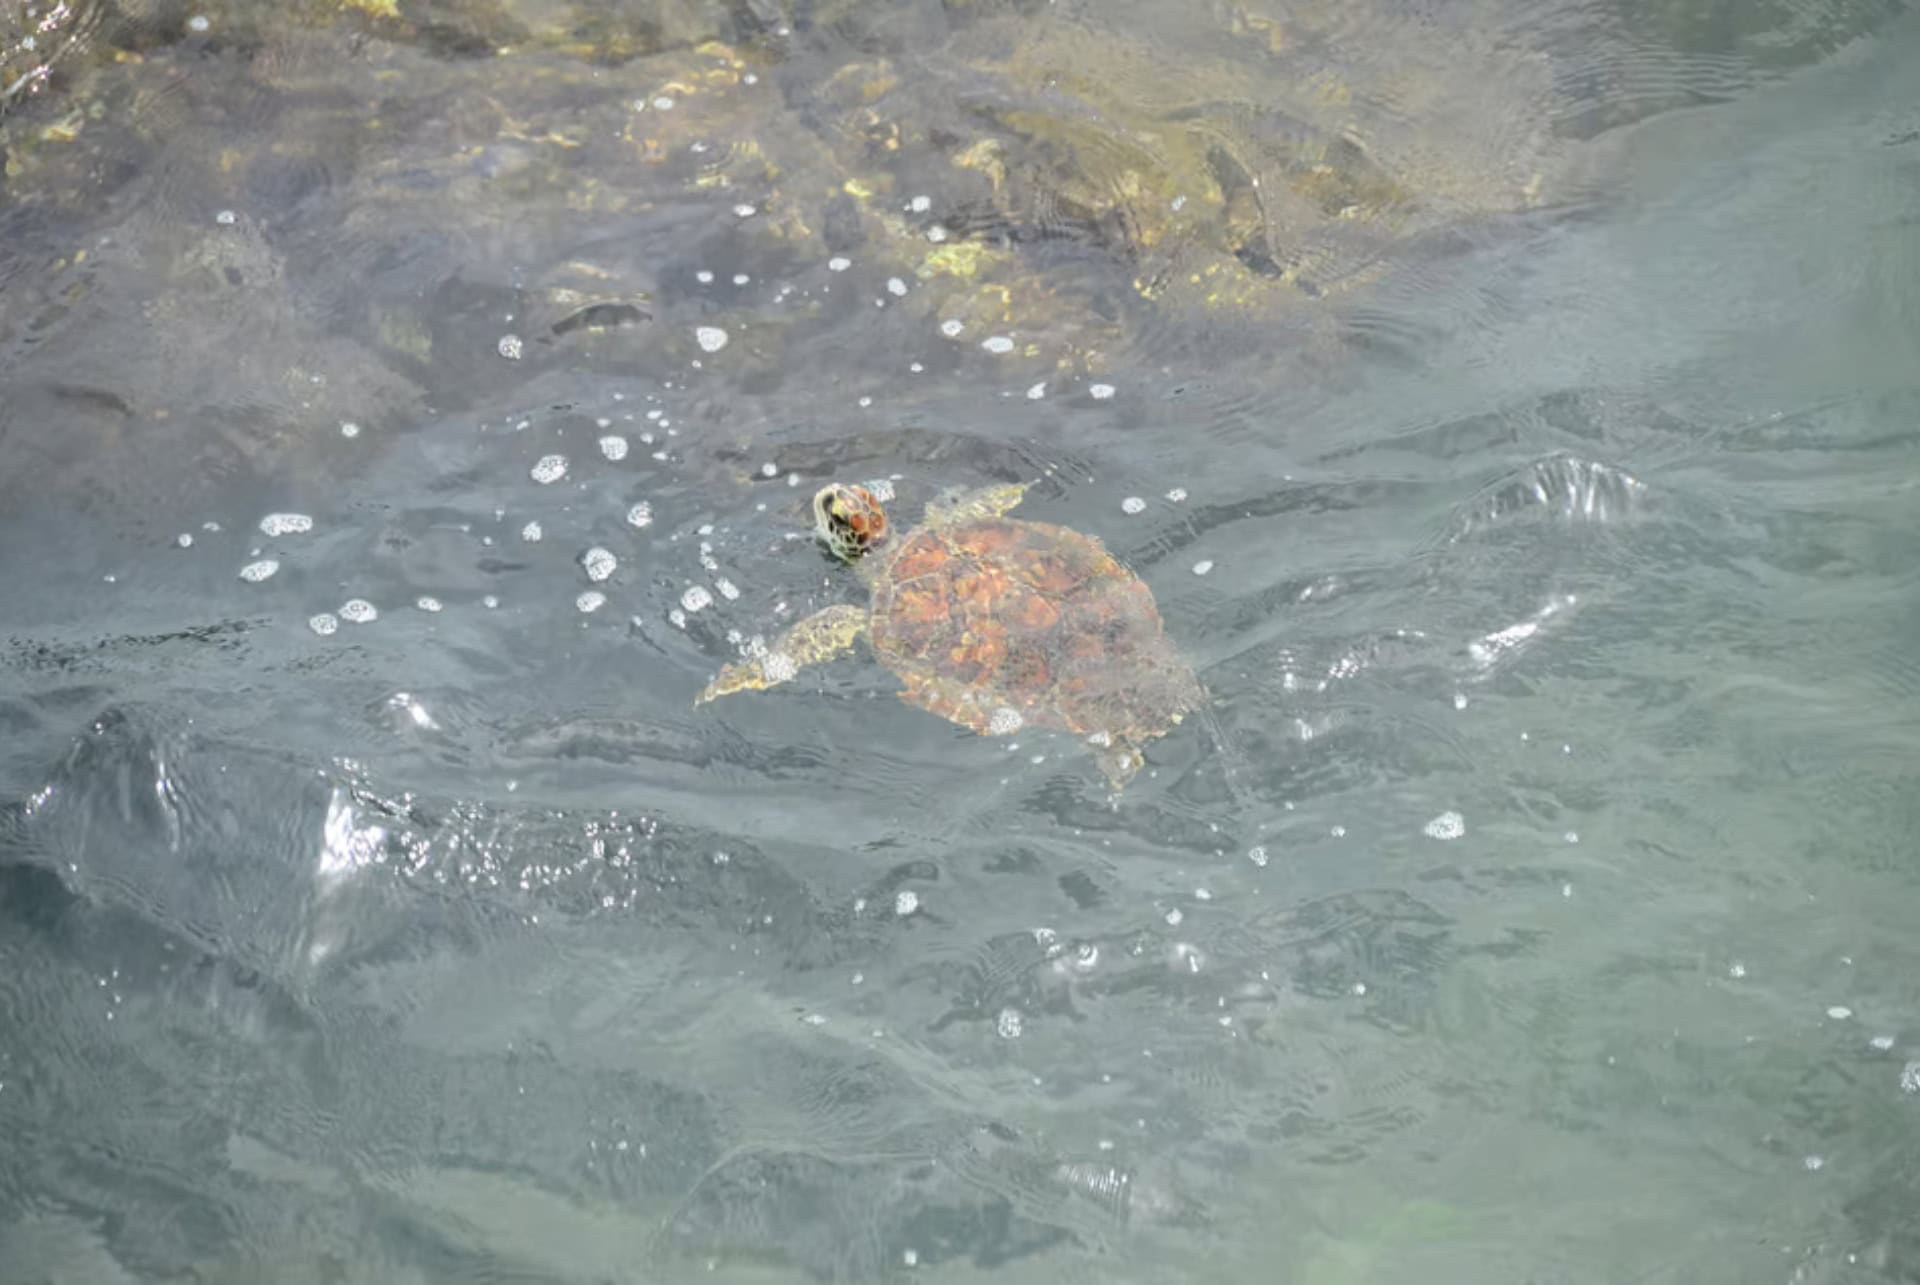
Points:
[(994, 623)]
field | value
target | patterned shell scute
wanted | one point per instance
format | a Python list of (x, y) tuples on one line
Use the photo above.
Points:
[(1031, 616)]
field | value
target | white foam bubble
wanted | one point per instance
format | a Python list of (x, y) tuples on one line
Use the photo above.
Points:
[(532, 533), (1005, 721), (511, 347), (358, 611), (614, 447), (896, 287), (599, 563), (1258, 854), (548, 469), (951, 328), (640, 515), (1203, 566), (255, 572), (997, 344), (696, 598), (1101, 392), (906, 901), (1008, 1024), (839, 263), (1133, 504), (591, 600), (427, 604), (710, 338), (1036, 392), (1448, 825), (324, 623), (286, 524)]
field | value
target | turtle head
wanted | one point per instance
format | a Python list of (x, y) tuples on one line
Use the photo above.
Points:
[(848, 520)]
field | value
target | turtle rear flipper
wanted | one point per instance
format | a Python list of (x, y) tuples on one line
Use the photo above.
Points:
[(976, 710), (1120, 763)]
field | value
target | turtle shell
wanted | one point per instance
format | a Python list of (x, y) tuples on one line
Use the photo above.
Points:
[(1003, 623)]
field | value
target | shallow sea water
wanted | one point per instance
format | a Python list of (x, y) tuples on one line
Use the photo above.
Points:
[(1536, 903)]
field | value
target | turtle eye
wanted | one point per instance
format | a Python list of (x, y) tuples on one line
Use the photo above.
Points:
[(843, 528)]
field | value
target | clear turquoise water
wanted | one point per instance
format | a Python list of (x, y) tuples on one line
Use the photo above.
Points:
[(1554, 924)]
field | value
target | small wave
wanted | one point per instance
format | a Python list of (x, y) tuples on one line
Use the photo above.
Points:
[(1563, 487)]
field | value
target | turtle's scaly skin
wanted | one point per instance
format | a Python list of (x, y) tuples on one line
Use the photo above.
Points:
[(995, 624)]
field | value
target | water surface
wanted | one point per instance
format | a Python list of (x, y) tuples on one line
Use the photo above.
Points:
[(1511, 407)]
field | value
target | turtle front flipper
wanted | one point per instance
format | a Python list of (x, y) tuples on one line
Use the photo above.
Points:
[(825, 634), (975, 506)]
